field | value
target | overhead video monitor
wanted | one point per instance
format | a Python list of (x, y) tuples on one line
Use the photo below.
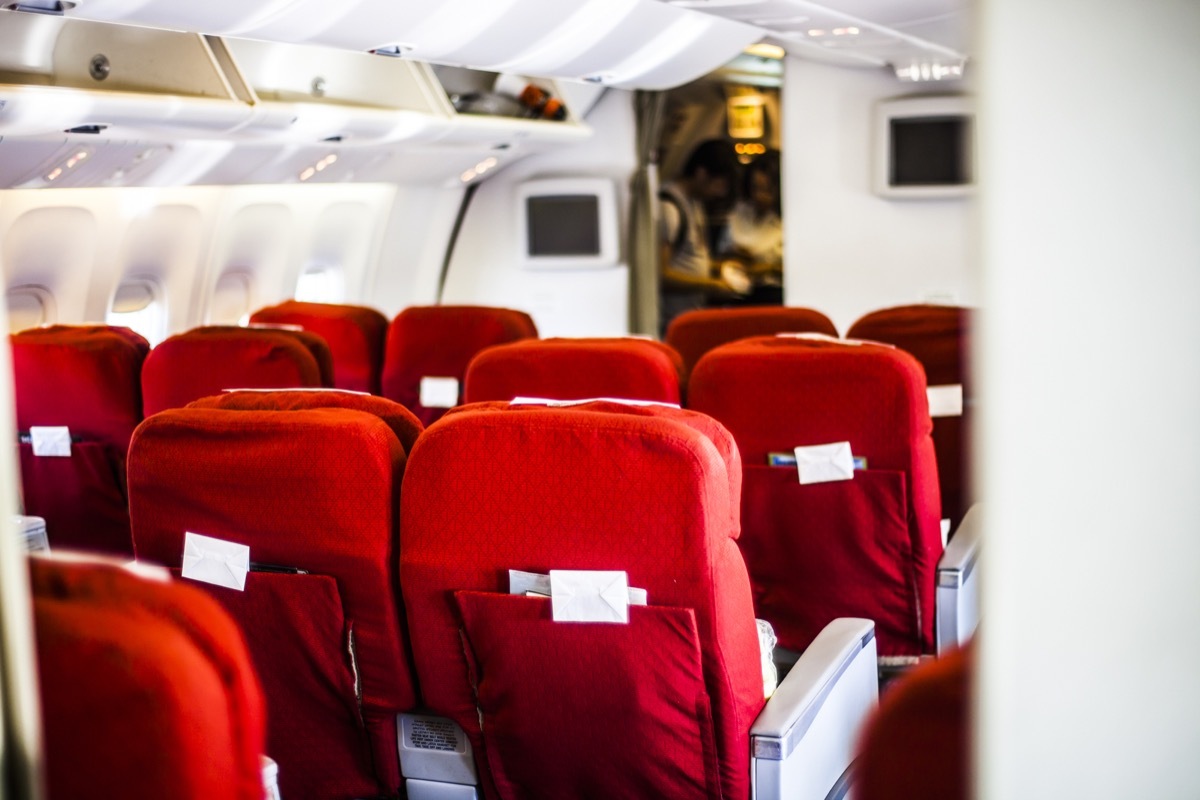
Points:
[(567, 223), (923, 147)]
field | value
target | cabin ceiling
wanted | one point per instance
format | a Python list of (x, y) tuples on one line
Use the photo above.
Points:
[(166, 92), (649, 44)]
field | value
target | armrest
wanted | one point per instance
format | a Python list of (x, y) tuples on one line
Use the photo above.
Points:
[(958, 583), (803, 742), (436, 758)]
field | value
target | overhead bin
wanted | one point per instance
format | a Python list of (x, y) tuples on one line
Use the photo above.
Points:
[(627, 43), (59, 74), (311, 94)]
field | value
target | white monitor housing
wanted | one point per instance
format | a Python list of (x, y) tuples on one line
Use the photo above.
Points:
[(567, 223), (923, 147)]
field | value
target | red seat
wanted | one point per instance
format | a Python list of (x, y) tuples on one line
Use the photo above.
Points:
[(918, 743), (355, 336), (660, 707), (439, 342), (146, 686), (864, 547), (694, 333), (574, 369), (86, 378), (206, 361), (940, 338), (313, 492)]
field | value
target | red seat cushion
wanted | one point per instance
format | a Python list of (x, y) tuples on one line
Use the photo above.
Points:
[(595, 486), (147, 688), (694, 333), (940, 338), (917, 745), (89, 379), (355, 335), (315, 490), (206, 361), (866, 547), (575, 369), (440, 341)]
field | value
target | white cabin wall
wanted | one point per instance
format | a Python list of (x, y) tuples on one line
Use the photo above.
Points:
[(848, 251), (485, 269), (81, 244), (409, 263), (1091, 343)]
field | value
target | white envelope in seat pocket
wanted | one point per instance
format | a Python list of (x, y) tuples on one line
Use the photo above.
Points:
[(823, 463), (50, 440), (439, 392), (215, 561), (589, 596)]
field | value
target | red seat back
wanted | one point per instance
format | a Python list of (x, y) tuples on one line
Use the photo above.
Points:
[(917, 745), (314, 493), (147, 688), (355, 335), (439, 342), (88, 379), (206, 361), (694, 333), (575, 369), (940, 338), (866, 547), (660, 707)]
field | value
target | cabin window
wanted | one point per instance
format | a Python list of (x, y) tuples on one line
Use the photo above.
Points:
[(321, 284), (138, 304), (230, 303), (28, 307)]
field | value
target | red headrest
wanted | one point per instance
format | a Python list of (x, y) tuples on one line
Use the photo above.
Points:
[(127, 664), (777, 393), (694, 333), (937, 335), (440, 341), (206, 361), (86, 377), (576, 369), (601, 486), (355, 336), (402, 422)]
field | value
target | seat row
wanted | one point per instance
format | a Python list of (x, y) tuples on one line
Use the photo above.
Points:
[(563, 584), (91, 381)]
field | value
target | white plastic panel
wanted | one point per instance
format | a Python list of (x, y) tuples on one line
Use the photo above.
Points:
[(36, 252), (230, 300), (28, 307)]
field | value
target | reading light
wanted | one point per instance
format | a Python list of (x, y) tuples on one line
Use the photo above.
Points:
[(921, 71)]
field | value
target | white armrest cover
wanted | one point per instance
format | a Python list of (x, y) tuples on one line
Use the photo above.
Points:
[(958, 583), (803, 742), (434, 749)]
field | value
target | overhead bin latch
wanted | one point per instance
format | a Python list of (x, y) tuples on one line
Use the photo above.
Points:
[(53, 7)]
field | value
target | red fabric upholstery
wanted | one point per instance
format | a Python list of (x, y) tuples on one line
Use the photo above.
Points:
[(440, 341), (575, 369), (355, 336), (918, 744), (940, 338), (581, 711), (206, 361), (315, 490), (147, 688), (402, 422), (87, 378), (694, 333), (866, 547)]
